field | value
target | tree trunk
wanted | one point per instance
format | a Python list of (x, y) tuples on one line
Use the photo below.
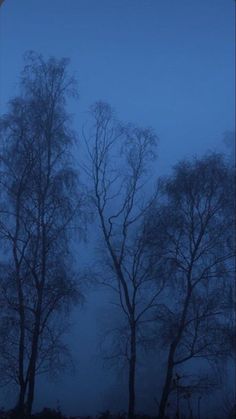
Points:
[(22, 380), (36, 333), (167, 385), (34, 355), (32, 371), (171, 356), (132, 371), (21, 312), (20, 407)]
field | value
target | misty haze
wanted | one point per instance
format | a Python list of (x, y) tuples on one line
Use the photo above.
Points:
[(117, 209)]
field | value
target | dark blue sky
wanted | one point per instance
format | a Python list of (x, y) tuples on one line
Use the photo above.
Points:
[(163, 63)]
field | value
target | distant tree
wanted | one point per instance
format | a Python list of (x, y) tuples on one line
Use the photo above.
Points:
[(229, 142), (194, 224), (38, 189), (120, 159), (187, 387)]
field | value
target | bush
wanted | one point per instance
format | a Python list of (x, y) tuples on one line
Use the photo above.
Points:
[(47, 413)]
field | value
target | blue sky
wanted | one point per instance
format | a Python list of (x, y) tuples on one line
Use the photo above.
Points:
[(165, 64), (162, 63)]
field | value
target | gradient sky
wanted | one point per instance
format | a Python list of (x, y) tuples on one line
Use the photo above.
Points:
[(162, 63)]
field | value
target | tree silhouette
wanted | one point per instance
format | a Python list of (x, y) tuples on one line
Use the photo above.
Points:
[(120, 157), (194, 225), (38, 188)]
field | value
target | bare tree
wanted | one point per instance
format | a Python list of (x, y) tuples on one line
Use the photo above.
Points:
[(194, 225), (120, 158), (189, 388), (38, 190)]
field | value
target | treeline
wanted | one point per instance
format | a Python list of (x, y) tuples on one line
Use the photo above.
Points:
[(167, 253)]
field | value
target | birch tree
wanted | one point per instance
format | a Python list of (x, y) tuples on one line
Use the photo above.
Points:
[(38, 190), (195, 226), (119, 169)]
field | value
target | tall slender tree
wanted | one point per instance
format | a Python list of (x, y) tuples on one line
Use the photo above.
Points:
[(38, 189), (120, 159)]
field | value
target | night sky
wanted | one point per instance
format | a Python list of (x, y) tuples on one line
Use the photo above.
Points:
[(161, 63)]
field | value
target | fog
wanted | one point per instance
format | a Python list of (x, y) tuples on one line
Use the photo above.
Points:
[(161, 64)]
